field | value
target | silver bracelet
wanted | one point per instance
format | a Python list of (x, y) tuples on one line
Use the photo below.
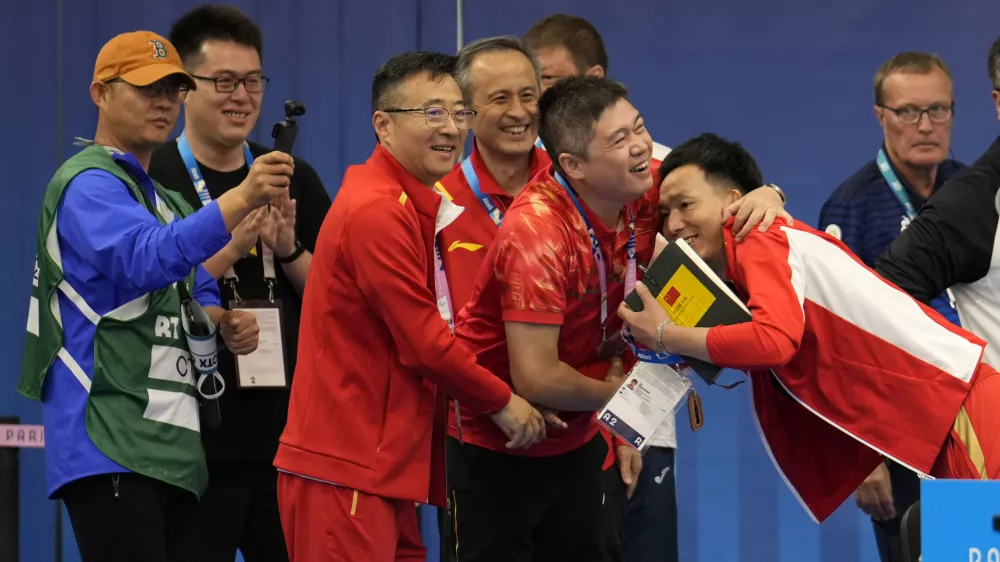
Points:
[(659, 335), (781, 193)]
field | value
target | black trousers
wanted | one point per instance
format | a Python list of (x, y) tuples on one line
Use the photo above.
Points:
[(509, 508), (905, 492), (239, 510), (128, 517), (647, 523)]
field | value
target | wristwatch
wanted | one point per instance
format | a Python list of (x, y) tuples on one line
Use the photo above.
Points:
[(780, 192), (299, 250)]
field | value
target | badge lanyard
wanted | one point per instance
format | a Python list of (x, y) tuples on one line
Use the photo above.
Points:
[(897, 186), (267, 256), (473, 179), (443, 296), (441, 288), (901, 195), (595, 247)]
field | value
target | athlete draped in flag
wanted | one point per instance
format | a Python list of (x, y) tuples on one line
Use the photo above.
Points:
[(845, 368)]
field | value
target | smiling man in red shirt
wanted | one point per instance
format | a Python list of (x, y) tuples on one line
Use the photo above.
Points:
[(499, 79), (536, 317), (564, 255), (367, 420), (841, 362)]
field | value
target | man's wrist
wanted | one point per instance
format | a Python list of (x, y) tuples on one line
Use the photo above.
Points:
[(233, 251), (297, 251), (659, 335), (779, 191), (286, 250)]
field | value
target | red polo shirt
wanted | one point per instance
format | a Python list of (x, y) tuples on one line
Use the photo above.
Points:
[(366, 408), (541, 270), (464, 243)]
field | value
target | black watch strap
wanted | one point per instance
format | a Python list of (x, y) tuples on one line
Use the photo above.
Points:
[(299, 250)]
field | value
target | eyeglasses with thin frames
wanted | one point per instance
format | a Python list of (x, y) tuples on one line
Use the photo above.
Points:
[(176, 92), (228, 84), (438, 116), (911, 115)]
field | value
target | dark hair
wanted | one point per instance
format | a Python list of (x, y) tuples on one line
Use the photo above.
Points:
[(993, 64), (575, 34), (213, 21), (469, 53), (725, 163), (400, 68), (568, 111), (910, 62)]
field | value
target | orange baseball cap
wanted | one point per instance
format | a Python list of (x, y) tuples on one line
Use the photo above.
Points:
[(139, 58)]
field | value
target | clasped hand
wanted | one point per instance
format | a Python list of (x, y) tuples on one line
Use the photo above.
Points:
[(239, 331)]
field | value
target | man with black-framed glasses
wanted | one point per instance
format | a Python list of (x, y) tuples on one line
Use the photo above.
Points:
[(265, 265), (914, 104)]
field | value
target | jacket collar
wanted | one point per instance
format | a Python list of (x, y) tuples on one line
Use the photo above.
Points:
[(425, 199)]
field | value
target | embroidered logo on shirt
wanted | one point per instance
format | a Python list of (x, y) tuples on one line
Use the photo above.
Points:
[(833, 230), (464, 246)]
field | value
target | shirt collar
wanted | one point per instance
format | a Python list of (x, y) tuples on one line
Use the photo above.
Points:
[(118, 155), (596, 223), (487, 184)]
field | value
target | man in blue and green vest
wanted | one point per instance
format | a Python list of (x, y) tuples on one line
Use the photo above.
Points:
[(106, 351)]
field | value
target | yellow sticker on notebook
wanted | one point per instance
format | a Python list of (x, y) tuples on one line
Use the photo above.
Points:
[(685, 298)]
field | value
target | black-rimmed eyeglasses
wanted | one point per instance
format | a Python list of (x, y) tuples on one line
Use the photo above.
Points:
[(228, 84), (912, 114)]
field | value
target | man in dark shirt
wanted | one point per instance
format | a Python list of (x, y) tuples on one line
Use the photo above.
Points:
[(914, 106), (221, 49), (953, 241)]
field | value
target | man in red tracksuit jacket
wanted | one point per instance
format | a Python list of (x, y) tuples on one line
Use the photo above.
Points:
[(845, 367), (367, 422)]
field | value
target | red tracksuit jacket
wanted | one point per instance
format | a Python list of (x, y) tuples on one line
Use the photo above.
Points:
[(844, 366), (367, 409)]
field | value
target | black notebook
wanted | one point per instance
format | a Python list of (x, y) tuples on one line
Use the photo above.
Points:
[(693, 296)]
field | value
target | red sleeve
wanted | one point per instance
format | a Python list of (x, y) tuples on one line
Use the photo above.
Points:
[(392, 274), (772, 338), (532, 265)]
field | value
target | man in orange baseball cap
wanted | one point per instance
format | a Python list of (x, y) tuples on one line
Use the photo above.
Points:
[(107, 350), (145, 63)]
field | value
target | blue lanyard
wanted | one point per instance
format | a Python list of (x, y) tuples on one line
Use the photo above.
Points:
[(538, 143), (648, 355), (195, 172), (895, 184), (470, 176), (199, 186), (903, 197), (595, 247)]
